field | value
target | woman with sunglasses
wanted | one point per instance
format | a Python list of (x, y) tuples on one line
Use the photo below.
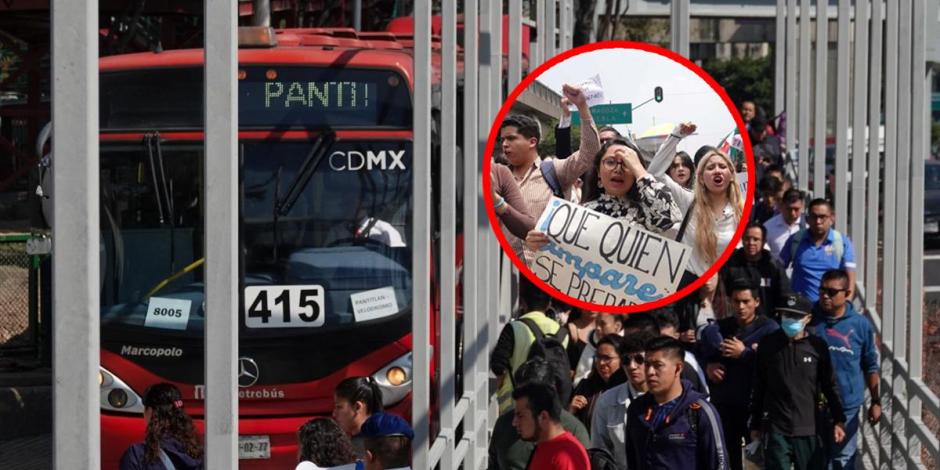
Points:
[(623, 189), (605, 375)]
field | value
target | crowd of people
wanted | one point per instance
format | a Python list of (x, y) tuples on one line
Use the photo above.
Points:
[(360, 435), (768, 361)]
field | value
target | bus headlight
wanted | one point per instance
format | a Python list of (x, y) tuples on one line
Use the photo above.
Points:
[(394, 380), (117, 395)]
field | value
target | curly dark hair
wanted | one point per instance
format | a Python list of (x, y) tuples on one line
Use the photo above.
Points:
[(168, 421), (324, 443)]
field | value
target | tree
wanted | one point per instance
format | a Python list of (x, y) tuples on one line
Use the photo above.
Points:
[(745, 79)]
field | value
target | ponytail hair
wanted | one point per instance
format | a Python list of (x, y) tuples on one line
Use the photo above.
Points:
[(364, 389)]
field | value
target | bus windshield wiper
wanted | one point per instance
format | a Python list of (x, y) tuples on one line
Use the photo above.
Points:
[(317, 151), (161, 188)]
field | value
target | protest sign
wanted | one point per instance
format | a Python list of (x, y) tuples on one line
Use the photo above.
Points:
[(603, 260), (593, 92), (742, 182)]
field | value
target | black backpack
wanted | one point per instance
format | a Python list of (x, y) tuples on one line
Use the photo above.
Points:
[(552, 350), (602, 459)]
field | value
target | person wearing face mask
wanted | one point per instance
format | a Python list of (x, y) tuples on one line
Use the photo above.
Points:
[(672, 426), (608, 422), (605, 374), (793, 368), (623, 190)]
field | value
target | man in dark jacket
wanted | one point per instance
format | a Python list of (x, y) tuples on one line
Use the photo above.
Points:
[(728, 350), (764, 270), (854, 354), (672, 426), (793, 368)]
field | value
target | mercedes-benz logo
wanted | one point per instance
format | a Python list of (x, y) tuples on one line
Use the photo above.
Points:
[(247, 372)]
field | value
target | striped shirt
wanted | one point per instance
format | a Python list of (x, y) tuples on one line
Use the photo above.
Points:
[(537, 192)]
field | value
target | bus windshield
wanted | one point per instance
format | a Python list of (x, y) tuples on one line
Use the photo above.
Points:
[(337, 258)]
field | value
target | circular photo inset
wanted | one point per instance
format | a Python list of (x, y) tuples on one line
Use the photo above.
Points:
[(619, 177)]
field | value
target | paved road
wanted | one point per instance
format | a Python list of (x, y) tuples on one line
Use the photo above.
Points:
[(932, 269)]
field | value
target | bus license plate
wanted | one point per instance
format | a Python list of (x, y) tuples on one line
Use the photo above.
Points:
[(254, 447)]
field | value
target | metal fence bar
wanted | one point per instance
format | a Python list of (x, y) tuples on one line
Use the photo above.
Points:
[(890, 171), (791, 85), (822, 90), (680, 27), (780, 57), (803, 94), (538, 49), (842, 116), (474, 427), (564, 24), (221, 332), (920, 116), (874, 146), (76, 401), (860, 84), (890, 167), (515, 43), (448, 212), (550, 16), (421, 243)]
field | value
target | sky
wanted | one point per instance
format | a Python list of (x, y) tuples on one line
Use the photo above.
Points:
[(629, 76)]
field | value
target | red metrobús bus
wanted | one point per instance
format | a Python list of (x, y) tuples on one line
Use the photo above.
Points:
[(325, 261)]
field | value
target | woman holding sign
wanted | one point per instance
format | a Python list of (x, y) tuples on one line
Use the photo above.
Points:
[(624, 190)]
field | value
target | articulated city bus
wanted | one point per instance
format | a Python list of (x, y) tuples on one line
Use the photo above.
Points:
[(325, 264)]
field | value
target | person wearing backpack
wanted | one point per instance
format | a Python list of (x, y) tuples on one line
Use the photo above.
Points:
[(534, 334), (672, 426), (818, 249), (539, 179), (507, 449)]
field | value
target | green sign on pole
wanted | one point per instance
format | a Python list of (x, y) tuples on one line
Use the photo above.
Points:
[(607, 114)]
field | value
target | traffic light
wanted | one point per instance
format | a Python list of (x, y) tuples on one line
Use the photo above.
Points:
[(658, 94)]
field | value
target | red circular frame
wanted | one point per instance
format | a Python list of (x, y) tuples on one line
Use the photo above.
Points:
[(494, 221)]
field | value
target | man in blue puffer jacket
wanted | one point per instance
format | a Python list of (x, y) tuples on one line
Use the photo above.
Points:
[(855, 361), (672, 426)]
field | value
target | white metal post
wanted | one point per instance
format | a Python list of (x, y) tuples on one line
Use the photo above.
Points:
[(680, 27), (780, 47), (475, 420), (221, 189), (842, 117), (874, 145), (550, 28), (75, 268), (803, 95), (448, 213), (860, 84), (421, 243), (515, 44), (791, 86), (538, 49), (822, 89), (921, 79)]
